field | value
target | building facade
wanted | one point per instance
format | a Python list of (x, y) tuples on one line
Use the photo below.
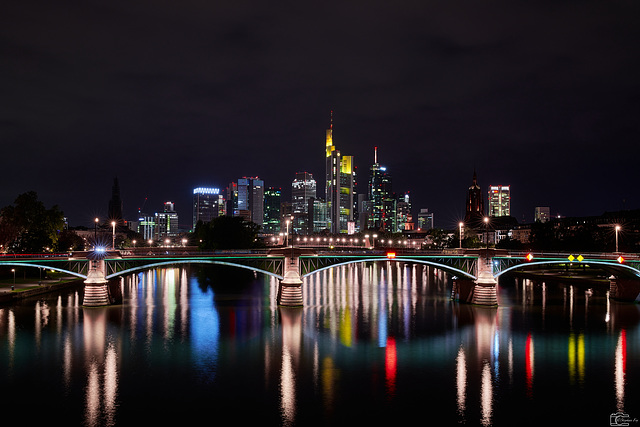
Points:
[(208, 204), (425, 220), (272, 210), (251, 199), (499, 200), (542, 214), (303, 188), (339, 186), (166, 222)]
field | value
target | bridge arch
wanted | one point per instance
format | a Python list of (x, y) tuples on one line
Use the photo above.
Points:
[(47, 267), (447, 268), (188, 261), (608, 265)]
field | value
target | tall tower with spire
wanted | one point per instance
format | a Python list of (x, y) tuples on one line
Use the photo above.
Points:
[(475, 204), (339, 185), (115, 204)]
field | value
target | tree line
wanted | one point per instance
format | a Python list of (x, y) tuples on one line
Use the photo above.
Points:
[(27, 226)]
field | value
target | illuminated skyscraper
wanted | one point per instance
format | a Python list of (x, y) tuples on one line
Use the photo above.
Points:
[(303, 188), (339, 186), (251, 199), (499, 200), (166, 222), (208, 204), (272, 210), (382, 203)]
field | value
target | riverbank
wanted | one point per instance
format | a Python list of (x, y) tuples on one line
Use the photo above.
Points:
[(10, 292)]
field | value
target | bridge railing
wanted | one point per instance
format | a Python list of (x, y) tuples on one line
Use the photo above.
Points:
[(32, 256)]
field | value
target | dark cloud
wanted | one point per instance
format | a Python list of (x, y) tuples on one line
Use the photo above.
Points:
[(168, 96)]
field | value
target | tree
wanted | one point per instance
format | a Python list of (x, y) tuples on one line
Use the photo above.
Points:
[(69, 241), (227, 232), (27, 226)]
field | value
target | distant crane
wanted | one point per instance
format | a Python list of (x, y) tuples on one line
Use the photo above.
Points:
[(143, 204)]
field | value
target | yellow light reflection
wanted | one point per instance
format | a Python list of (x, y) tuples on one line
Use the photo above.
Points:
[(576, 358)]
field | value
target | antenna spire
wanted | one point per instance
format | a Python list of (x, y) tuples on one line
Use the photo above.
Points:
[(375, 155)]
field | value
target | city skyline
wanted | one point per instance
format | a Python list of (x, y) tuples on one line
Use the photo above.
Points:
[(538, 96)]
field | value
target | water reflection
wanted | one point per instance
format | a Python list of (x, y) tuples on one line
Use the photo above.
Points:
[(374, 342)]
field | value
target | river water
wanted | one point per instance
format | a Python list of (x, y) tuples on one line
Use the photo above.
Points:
[(379, 343)]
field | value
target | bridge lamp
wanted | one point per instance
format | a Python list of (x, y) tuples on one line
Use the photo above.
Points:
[(113, 236), (95, 229), (617, 230), (287, 235), (134, 242), (486, 230)]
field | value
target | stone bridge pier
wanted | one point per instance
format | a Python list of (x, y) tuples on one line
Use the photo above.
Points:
[(483, 290), (290, 287), (96, 290)]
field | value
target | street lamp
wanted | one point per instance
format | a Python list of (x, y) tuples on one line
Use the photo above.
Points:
[(287, 235), (113, 236), (95, 230), (460, 224), (617, 230), (486, 230), (13, 270)]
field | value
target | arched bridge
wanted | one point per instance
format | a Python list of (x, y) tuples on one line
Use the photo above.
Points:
[(478, 269)]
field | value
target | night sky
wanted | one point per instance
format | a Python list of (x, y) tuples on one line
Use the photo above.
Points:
[(172, 95)]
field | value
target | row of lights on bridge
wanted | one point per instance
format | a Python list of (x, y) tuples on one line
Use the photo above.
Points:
[(571, 258)]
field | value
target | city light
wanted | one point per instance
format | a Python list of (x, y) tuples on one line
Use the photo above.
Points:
[(205, 190)]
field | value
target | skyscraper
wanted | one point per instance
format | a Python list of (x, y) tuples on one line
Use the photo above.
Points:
[(166, 222), (339, 185), (475, 204), (303, 188), (251, 199), (382, 205), (499, 200), (272, 210), (207, 204), (425, 220)]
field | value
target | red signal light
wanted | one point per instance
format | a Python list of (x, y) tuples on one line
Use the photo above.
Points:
[(620, 259), (529, 257), (391, 255)]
